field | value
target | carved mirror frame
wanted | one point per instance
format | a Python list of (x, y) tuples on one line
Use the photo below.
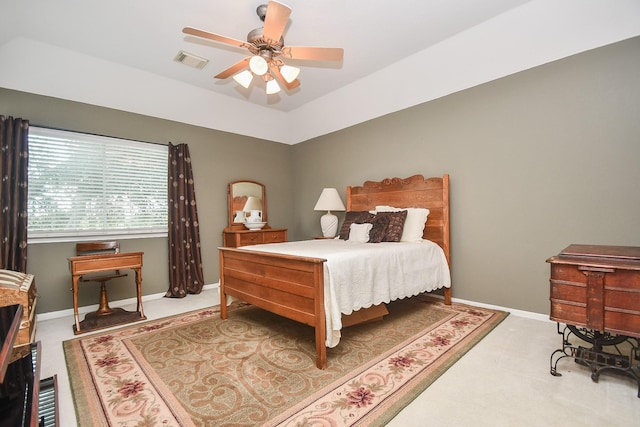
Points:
[(237, 194)]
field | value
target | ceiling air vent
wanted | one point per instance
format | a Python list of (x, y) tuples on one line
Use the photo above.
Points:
[(191, 60)]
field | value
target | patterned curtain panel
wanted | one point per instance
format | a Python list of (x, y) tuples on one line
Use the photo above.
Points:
[(185, 261), (14, 140)]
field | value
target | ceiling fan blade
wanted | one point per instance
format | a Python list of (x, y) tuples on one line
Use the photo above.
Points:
[(276, 72), (215, 37), (307, 53), (233, 69), (275, 20)]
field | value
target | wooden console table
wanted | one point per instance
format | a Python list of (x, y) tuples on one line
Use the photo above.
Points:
[(595, 291), (86, 264)]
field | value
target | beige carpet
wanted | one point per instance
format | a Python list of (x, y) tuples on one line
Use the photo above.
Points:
[(257, 368)]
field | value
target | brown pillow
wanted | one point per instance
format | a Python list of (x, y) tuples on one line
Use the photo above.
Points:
[(358, 217), (396, 225), (379, 230)]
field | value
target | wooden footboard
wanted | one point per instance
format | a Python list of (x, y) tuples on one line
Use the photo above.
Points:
[(290, 286)]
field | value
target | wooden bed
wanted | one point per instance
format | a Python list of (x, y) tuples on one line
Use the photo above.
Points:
[(293, 286)]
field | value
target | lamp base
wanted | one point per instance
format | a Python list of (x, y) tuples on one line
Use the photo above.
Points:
[(329, 224)]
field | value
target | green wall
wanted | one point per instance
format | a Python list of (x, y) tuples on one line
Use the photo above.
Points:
[(538, 160), (217, 158)]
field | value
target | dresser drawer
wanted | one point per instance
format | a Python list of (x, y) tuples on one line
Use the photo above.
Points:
[(274, 236), (251, 238), (237, 238), (599, 290)]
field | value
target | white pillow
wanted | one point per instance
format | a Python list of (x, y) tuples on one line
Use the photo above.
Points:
[(413, 225), (359, 232)]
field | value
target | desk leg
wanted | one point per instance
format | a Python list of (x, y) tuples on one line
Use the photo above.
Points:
[(139, 291), (74, 283)]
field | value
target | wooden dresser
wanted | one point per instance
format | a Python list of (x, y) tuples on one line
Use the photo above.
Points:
[(595, 292), (597, 287), (237, 238)]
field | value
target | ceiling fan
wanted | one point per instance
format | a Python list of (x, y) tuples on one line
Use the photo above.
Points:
[(268, 50)]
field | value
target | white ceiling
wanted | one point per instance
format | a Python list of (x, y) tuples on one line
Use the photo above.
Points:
[(399, 53)]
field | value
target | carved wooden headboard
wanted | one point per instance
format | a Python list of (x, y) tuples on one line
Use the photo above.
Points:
[(412, 192)]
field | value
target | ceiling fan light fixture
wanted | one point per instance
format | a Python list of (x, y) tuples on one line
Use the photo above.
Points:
[(289, 73), (258, 65), (272, 87), (266, 47), (244, 78)]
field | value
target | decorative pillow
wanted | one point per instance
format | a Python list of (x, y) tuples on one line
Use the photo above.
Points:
[(414, 224), (396, 224), (360, 232), (379, 229), (353, 216)]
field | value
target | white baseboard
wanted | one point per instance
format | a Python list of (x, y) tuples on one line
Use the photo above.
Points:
[(119, 303), (515, 312)]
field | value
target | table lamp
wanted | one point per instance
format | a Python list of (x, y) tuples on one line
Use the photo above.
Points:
[(329, 201)]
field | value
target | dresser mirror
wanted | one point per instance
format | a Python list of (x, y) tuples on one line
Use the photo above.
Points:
[(244, 197)]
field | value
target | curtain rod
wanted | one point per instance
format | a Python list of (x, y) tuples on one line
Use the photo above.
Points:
[(98, 134)]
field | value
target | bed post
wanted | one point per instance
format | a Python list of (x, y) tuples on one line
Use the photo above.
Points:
[(446, 238), (320, 317), (223, 297)]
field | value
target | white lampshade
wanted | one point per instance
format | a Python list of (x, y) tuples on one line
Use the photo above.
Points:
[(329, 201), (253, 204), (244, 78), (258, 65), (272, 87), (289, 73)]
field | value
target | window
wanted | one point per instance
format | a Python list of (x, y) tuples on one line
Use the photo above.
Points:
[(84, 186)]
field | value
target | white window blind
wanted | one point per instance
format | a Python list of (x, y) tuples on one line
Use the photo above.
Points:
[(84, 186)]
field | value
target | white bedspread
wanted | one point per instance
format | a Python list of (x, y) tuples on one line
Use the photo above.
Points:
[(359, 275)]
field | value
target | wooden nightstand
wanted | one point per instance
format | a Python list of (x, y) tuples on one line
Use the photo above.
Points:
[(237, 238)]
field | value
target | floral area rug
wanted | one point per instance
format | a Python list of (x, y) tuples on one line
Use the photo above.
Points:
[(258, 369)]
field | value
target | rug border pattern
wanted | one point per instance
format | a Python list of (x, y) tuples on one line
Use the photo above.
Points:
[(166, 410)]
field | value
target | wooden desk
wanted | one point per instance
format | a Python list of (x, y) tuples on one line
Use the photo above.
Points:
[(86, 264)]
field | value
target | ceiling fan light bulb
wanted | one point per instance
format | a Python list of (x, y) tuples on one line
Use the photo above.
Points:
[(272, 87), (289, 73), (244, 78), (258, 65)]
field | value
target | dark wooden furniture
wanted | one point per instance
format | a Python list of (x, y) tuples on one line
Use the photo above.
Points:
[(90, 264), (293, 286), (21, 391), (595, 291), (10, 316), (597, 287)]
